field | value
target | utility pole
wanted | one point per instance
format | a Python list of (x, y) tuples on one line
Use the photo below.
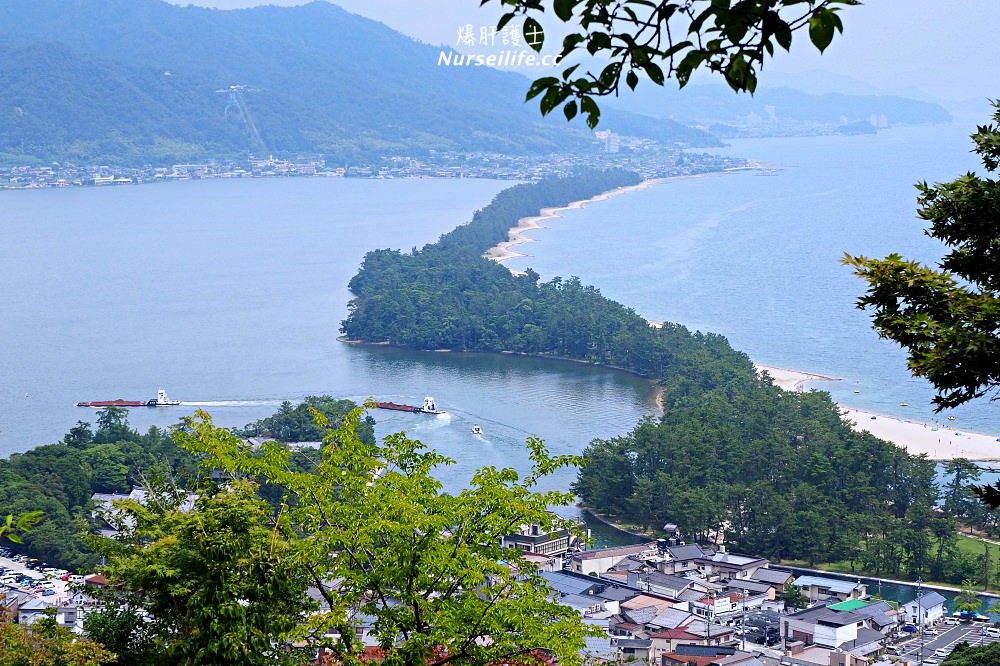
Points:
[(743, 621), (920, 624)]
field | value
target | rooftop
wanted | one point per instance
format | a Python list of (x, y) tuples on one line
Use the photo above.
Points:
[(833, 584)]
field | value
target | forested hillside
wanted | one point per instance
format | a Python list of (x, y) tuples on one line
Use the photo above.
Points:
[(137, 81), (733, 457)]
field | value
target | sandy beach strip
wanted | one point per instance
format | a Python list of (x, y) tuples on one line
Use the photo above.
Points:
[(941, 440), (516, 236), (792, 380), (938, 441)]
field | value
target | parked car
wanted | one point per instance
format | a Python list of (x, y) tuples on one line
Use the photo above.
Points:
[(931, 631), (47, 592), (910, 628), (942, 652), (952, 621), (992, 632)]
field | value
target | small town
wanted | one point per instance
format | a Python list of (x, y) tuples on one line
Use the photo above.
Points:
[(642, 156), (662, 603)]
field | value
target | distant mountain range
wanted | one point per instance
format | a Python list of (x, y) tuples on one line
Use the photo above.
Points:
[(137, 81), (707, 103)]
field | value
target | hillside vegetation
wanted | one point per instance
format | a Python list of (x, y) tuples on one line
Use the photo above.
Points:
[(137, 81)]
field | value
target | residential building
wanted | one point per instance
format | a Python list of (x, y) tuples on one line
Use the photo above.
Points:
[(816, 588), (926, 609)]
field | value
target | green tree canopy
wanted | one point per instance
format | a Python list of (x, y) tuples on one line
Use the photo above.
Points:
[(947, 318), (661, 39), (370, 530)]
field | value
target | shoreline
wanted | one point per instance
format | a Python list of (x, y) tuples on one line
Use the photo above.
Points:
[(939, 441), (502, 251)]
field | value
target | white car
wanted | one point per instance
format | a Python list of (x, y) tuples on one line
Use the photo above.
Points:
[(942, 652), (992, 632), (931, 631)]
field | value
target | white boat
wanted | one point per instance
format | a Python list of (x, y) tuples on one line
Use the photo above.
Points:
[(161, 400), (476, 430), (429, 407)]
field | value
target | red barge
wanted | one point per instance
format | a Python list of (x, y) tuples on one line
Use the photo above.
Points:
[(161, 400), (428, 407)]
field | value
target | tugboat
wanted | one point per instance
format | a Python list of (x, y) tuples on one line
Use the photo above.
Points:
[(476, 430), (429, 407), (161, 400)]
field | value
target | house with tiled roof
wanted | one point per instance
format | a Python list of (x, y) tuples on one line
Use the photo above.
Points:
[(852, 626), (659, 582), (666, 640), (645, 599), (681, 559), (816, 588), (925, 610), (776, 578), (731, 566), (599, 561), (707, 655)]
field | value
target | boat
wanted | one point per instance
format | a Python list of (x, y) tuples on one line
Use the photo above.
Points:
[(428, 407), (161, 400), (114, 403), (476, 430), (904, 404), (951, 418), (857, 390), (393, 406)]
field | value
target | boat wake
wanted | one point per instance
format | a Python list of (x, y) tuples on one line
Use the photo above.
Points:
[(231, 403)]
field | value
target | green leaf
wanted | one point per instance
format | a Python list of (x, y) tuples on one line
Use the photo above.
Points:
[(654, 73), (533, 34), (589, 107), (569, 110), (631, 79), (564, 9), (821, 27), (540, 85)]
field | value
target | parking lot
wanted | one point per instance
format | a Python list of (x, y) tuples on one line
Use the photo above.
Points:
[(17, 575), (937, 647)]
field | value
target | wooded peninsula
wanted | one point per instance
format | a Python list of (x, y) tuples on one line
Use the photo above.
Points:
[(733, 459)]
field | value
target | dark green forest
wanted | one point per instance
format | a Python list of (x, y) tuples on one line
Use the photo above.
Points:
[(60, 479), (733, 457)]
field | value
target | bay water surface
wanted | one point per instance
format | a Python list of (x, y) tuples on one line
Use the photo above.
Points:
[(756, 255), (229, 294)]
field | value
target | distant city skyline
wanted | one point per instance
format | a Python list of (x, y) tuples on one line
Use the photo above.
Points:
[(893, 47)]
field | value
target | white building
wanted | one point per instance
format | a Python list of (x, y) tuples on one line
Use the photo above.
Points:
[(925, 610)]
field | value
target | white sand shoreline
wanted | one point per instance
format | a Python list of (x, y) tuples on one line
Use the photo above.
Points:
[(940, 440), (503, 251)]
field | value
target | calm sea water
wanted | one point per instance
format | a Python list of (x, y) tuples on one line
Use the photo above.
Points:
[(229, 295), (757, 257)]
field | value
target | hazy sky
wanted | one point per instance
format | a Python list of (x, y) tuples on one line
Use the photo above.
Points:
[(944, 49)]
